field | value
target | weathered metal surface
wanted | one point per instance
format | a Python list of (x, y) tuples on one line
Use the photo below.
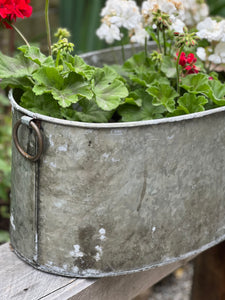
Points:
[(110, 199), (23, 194)]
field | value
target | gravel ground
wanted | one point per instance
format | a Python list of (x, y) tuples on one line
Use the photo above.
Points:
[(177, 286)]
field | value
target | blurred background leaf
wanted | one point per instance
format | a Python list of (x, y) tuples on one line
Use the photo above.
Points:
[(217, 7), (82, 18)]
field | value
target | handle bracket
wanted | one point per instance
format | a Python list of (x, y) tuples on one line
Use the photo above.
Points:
[(30, 123)]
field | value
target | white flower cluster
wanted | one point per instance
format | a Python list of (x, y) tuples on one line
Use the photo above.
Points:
[(195, 11), (121, 14), (126, 14), (214, 32), (173, 8)]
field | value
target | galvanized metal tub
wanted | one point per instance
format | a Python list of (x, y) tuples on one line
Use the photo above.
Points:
[(111, 199)]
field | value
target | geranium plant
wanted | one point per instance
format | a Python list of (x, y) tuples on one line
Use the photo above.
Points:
[(184, 75)]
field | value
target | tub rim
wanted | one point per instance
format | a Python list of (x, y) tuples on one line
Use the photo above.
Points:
[(112, 125)]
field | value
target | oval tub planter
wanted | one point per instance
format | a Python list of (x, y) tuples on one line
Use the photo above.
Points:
[(111, 199)]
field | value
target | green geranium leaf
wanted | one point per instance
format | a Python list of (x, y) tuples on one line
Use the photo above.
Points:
[(48, 78), (76, 64), (217, 92), (152, 33), (108, 90), (163, 94), (44, 104), (120, 71), (149, 78), (35, 55), (17, 67), (134, 99), (92, 113), (196, 83), (147, 111), (168, 67), (86, 111), (136, 64), (190, 103), (75, 87), (65, 91), (22, 83)]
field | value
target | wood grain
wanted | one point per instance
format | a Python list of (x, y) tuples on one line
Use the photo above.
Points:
[(19, 281)]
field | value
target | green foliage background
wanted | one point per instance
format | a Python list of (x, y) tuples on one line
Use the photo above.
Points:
[(217, 7)]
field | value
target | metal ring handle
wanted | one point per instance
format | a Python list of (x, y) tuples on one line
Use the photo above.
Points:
[(39, 137)]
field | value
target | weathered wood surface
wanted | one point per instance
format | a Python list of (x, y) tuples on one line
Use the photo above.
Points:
[(22, 282), (209, 274)]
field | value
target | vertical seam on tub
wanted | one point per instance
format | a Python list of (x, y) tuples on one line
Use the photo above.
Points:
[(37, 208)]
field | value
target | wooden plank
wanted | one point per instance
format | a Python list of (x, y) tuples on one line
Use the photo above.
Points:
[(20, 281), (209, 274), (121, 287)]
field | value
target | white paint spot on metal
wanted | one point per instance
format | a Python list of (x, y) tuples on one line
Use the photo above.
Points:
[(51, 141), (102, 233), (115, 160), (53, 165), (98, 253), (76, 270), (59, 204), (116, 132), (90, 272), (63, 148), (97, 257), (153, 229), (76, 253), (12, 222), (56, 269), (105, 155), (88, 131), (36, 247), (170, 137)]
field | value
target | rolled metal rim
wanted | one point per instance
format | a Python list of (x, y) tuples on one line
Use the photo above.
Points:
[(39, 140), (117, 125)]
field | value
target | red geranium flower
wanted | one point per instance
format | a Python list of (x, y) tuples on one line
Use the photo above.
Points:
[(187, 63), (191, 69), (10, 10), (183, 59), (191, 59)]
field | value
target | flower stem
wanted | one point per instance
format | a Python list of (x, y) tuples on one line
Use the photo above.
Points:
[(48, 26), (146, 47), (164, 40), (178, 73), (57, 59), (159, 44), (21, 35)]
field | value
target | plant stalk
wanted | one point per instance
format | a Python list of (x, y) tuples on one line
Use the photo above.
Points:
[(146, 47), (159, 43), (178, 73), (47, 23), (164, 41), (21, 35)]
